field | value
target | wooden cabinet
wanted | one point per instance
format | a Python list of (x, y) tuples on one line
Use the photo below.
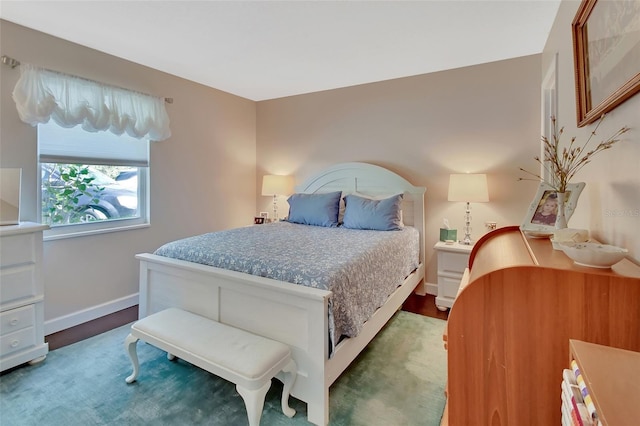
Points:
[(611, 377), (21, 295), (508, 330), (452, 261)]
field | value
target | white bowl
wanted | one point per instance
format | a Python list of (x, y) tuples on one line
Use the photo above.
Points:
[(594, 255)]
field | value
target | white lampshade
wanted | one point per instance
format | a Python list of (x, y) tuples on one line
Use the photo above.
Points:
[(468, 188), (277, 185)]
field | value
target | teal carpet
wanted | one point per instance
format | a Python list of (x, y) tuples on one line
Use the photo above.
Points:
[(398, 379)]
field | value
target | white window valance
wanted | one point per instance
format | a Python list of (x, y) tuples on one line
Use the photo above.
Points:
[(42, 94)]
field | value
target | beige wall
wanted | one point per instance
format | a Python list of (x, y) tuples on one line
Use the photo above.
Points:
[(202, 178), (610, 203), (480, 119)]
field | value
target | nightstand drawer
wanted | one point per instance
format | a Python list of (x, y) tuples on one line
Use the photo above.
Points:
[(17, 319), (448, 286), (17, 283), (17, 250), (452, 262), (17, 341)]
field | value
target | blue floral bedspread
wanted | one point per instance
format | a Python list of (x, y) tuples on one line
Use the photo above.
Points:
[(361, 268)]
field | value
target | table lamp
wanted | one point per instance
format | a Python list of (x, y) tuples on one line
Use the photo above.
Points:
[(468, 188), (276, 185)]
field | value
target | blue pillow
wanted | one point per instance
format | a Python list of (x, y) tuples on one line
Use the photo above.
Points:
[(315, 209), (378, 215)]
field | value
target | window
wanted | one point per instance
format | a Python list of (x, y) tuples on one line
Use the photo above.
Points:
[(93, 148), (91, 181)]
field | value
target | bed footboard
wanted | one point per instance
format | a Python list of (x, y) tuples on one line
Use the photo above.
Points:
[(289, 313)]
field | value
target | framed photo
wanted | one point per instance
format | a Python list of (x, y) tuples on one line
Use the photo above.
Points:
[(606, 57), (265, 215), (541, 217), (258, 220)]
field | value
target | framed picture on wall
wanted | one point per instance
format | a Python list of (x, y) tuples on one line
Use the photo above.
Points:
[(606, 57)]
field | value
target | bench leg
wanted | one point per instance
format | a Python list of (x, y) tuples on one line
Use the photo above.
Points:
[(254, 401), (291, 371), (130, 347)]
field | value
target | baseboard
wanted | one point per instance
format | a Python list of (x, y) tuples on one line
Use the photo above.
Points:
[(432, 289), (80, 317), (425, 288)]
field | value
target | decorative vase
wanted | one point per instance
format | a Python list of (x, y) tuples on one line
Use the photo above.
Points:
[(561, 219)]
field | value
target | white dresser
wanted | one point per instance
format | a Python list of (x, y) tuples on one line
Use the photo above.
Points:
[(453, 259), (21, 295)]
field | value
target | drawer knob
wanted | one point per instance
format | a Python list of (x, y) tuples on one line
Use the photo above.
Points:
[(15, 343), (14, 321)]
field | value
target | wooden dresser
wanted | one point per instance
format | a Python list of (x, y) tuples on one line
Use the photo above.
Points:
[(508, 331), (21, 295)]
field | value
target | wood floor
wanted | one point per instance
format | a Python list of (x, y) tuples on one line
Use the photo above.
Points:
[(423, 305), (91, 328)]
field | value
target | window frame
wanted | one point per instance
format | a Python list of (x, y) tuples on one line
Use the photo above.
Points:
[(101, 226), (106, 226)]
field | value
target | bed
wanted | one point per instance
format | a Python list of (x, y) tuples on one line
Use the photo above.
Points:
[(293, 314)]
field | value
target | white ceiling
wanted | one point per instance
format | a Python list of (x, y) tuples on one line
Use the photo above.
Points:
[(270, 49)]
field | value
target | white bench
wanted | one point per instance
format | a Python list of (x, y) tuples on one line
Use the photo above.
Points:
[(243, 358)]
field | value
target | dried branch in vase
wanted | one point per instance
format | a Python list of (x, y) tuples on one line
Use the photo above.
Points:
[(561, 164)]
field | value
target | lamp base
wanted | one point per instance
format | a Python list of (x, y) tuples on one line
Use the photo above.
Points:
[(467, 226), (275, 208)]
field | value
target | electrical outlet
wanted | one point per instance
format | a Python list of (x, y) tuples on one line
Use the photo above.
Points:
[(491, 225)]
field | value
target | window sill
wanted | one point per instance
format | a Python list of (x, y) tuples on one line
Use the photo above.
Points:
[(55, 234)]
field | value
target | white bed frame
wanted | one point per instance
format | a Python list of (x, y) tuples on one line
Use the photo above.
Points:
[(289, 313)]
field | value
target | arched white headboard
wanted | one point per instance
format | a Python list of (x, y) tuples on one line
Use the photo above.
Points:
[(372, 180)]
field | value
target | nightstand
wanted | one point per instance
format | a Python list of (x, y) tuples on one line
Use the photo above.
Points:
[(453, 259)]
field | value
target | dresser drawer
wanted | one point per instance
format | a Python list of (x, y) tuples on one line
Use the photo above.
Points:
[(17, 319), (17, 341), (452, 262), (17, 249), (17, 283), (448, 286)]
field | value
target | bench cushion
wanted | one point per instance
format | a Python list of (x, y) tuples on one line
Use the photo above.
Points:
[(245, 354)]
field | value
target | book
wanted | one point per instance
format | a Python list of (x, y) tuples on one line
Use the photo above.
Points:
[(588, 402)]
